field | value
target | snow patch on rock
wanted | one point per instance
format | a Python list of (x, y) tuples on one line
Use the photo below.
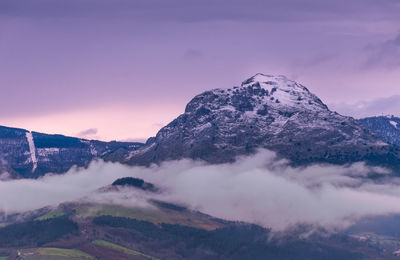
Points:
[(393, 123), (32, 150), (93, 150)]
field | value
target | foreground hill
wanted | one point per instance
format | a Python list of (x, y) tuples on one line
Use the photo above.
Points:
[(32, 154), (89, 230), (109, 237), (269, 112)]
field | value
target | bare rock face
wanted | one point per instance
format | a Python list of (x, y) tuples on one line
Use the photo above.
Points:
[(269, 112)]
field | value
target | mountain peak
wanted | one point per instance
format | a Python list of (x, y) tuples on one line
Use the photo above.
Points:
[(284, 91), (264, 78), (271, 112), (258, 94)]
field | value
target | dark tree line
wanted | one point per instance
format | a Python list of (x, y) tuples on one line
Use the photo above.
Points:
[(36, 233)]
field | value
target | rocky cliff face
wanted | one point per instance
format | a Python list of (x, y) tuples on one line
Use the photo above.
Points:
[(265, 111), (387, 127), (31, 154)]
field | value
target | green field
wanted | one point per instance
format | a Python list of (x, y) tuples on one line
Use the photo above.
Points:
[(154, 215), (95, 210), (51, 214), (54, 254), (3, 257), (121, 248)]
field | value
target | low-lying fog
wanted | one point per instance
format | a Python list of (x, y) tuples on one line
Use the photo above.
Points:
[(260, 189)]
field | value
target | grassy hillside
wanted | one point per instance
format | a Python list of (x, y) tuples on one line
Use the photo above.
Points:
[(84, 231), (123, 249), (53, 254), (157, 214)]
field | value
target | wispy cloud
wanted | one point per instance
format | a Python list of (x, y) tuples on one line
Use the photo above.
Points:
[(384, 55), (88, 133), (193, 54), (206, 10), (375, 107)]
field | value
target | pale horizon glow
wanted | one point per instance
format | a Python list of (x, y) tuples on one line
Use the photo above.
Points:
[(115, 123)]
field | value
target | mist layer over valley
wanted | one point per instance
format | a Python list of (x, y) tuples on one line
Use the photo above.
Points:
[(259, 189)]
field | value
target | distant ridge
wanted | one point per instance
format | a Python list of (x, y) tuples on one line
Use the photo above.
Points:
[(31, 154), (387, 127)]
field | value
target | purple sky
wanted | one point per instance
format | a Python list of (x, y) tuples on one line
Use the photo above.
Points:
[(120, 69)]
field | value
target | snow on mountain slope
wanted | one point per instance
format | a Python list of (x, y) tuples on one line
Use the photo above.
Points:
[(265, 111), (284, 92), (32, 150)]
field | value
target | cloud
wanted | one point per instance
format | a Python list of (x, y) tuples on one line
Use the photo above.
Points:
[(134, 140), (375, 107), (386, 54), (87, 133), (313, 60), (206, 10), (192, 54), (263, 191), (258, 189), (26, 194)]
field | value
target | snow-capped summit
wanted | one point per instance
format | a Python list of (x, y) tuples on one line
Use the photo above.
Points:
[(284, 91), (271, 112)]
